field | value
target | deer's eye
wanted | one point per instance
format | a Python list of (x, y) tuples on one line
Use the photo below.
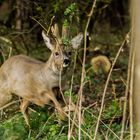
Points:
[(56, 53)]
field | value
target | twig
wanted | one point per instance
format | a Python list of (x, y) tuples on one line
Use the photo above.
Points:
[(43, 26), (91, 105), (90, 138), (61, 131), (106, 85), (50, 25), (83, 67), (129, 72), (3, 56), (69, 114), (43, 127), (110, 124), (39, 23), (9, 104), (109, 129), (60, 86), (10, 52)]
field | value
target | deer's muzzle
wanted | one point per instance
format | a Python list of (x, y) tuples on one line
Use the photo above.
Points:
[(66, 62)]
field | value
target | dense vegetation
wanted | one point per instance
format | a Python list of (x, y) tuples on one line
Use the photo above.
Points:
[(21, 23)]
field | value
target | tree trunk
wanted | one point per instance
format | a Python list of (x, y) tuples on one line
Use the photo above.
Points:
[(136, 45), (18, 25)]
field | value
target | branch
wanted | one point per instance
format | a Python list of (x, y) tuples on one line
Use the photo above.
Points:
[(106, 85), (83, 66)]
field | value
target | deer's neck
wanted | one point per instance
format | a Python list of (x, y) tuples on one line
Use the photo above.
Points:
[(51, 67)]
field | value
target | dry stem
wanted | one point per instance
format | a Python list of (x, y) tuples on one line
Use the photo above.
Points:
[(126, 93), (106, 85), (69, 114), (83, 67)]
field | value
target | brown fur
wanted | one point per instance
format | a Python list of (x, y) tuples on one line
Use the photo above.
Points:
[(31, 79)]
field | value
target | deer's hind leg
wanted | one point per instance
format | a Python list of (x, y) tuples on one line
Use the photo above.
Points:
[(5, 97)]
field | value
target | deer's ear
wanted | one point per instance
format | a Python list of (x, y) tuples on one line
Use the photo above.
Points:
[(76, 41), (47, 41)]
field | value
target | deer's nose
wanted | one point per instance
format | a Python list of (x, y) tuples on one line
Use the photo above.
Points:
[(66, 61)]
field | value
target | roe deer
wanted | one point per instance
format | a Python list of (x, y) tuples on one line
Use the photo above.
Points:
[(33, 80)]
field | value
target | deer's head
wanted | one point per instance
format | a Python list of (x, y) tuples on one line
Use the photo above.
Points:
[(59, 58)]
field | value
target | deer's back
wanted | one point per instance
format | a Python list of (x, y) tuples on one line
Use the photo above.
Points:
[(20, 65)]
